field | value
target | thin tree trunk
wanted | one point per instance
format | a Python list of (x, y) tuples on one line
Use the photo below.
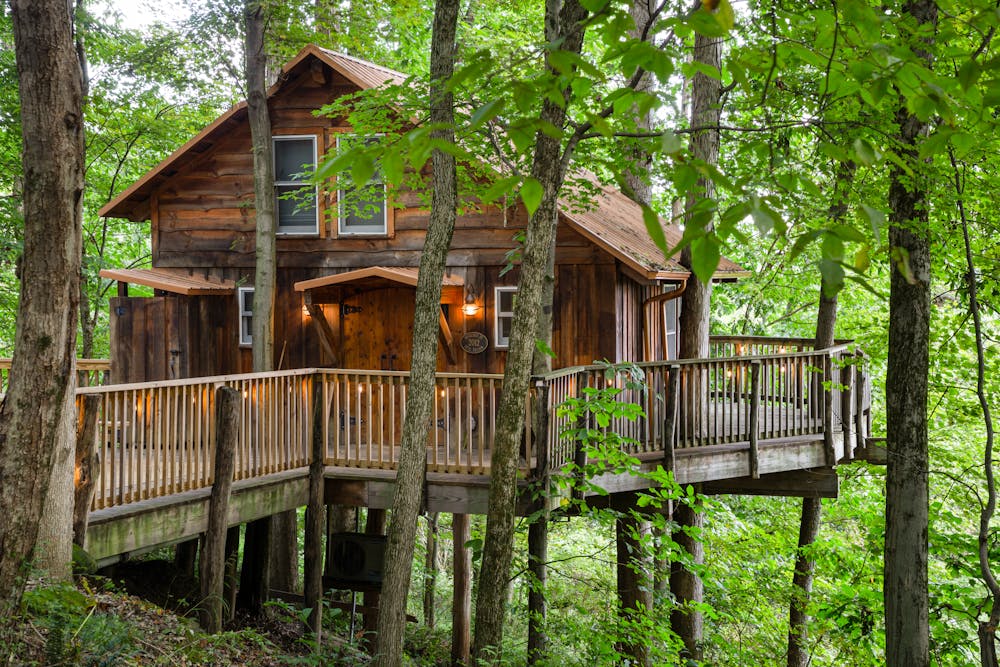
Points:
[(430, 569), (37, 420), (413, 455), (905, 589), (548, 169), (635, 586), (687, 586), (461, 601)]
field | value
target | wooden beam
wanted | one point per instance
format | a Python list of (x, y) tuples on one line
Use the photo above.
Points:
[(327, 338), (447, 340), (815, 483)]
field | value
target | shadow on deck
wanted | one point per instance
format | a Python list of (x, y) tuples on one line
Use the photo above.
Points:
[(759, 420)]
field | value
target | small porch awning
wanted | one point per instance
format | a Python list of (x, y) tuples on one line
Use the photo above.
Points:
[(377, 277), (330, 289), (175, 281)]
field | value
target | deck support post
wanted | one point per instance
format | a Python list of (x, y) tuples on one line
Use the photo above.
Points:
[(213, 557), (538, 531), (670, 418), (374, 525), (859, 401), (255, 576), (754, 418), (830, 454), (315, 520), (461, 608), (580, 452), (846, 401), (87, 466)]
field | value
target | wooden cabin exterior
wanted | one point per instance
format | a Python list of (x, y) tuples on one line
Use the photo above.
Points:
[(345, 283)]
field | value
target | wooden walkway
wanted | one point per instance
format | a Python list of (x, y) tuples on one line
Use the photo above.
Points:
[(760, 411)]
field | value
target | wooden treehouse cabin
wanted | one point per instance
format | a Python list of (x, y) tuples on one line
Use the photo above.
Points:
[(760, 416)]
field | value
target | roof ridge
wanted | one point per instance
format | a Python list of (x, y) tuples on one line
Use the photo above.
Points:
[(362, 61)]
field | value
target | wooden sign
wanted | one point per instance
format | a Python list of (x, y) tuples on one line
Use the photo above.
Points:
[(474, 342)]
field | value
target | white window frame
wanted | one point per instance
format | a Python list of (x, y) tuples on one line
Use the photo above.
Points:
[(366, 230), (298, 184), (246, 316), (671, 309), (499, 341)]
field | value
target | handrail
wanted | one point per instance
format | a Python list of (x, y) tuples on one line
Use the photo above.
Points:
[(157, 438), (89, 372)]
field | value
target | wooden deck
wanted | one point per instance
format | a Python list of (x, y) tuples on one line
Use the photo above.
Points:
[(731, 421)]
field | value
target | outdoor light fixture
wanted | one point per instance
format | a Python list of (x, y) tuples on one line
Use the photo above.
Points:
[(470, 309)]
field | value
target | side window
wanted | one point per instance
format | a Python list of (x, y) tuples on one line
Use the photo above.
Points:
[(361, 209), (245, 300), (670, 312), (296, 207), (503, 315)]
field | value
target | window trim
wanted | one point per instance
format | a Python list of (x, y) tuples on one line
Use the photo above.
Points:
[(298, 184), (246, 337), (370, 230), (499, 342)]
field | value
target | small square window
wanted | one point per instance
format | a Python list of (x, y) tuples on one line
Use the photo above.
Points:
[(245, 301), (297, 211), (503, 315)]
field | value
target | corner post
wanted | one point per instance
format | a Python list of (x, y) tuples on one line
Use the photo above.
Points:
[(670, 418), (859, 401), (828, 450), (846, 402), (754, 418)]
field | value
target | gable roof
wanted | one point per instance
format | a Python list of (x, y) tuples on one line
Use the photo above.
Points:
[(611, 221)]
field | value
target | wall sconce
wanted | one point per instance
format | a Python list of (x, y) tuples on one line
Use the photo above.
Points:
[(470, 307)]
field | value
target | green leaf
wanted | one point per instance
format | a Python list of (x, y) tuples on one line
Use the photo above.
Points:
[(865, 152), (531, 194), (500, 188), (543, 347), (670, 143), (363, 169), (705, 257), (876, 219), (653, 228), (485, 113), (862, 259), (968, 74), (833, 274)]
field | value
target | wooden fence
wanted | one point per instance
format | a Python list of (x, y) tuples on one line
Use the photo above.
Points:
[(89, 373), (157, 439)]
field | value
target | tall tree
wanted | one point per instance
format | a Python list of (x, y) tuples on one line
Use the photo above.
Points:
[(413, 449), (706, 90), (906, 512), (566, 21), (37, 417)]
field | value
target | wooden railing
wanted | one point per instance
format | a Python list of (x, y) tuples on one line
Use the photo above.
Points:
[(89, 373), (157, 439)]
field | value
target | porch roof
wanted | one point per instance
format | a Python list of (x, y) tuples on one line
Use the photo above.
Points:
[(175, 281), (374, 276)]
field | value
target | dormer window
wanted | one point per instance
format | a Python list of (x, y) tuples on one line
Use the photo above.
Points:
[(362, 210), (297, 211)]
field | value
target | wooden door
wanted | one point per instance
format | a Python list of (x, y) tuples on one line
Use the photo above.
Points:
[(377, 329)]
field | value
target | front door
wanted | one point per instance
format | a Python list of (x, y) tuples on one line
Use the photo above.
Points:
[(377, 329)]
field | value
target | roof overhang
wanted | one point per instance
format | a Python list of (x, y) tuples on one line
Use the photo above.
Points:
[(171, 280), (380, 277)]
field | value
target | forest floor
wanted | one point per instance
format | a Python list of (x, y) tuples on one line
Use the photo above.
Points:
[(95, 623)]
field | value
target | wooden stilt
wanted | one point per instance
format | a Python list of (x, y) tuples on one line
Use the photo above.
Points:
[(430, 569), (374, 525), (315, 520), (87, 466), (232, 579), (461, 609), (255, 580), (213, 556), (185, 558)]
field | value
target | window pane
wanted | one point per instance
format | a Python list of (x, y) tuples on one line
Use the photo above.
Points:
[(369, 214), (293, 156), (247, 300), (506, 298), (505, 326), (297, 213)]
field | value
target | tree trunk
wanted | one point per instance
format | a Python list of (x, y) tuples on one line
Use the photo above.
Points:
[(430, 569), (461, 602), (283, 534), (548, 169), (905, 592), (374, 525), (88, 467), (413, 453), (212, 571), (37, 419), (637, 176), (802, 581), (694, 326), (635, 585)]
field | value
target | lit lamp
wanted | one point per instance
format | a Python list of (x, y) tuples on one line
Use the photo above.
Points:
[(470, 308)]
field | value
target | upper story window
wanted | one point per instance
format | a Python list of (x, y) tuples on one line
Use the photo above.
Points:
[(297, 209), (503, 315), (244, 297), (362, 210)]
